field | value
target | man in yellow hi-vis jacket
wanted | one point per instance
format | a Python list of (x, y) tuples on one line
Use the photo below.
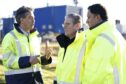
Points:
[(21, 51), (72, 45), (105, 55)]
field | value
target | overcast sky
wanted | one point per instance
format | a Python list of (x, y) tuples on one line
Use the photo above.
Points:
[(115, 8)]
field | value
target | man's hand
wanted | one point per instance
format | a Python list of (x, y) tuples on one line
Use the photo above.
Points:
[(33, 60), (48, 51)]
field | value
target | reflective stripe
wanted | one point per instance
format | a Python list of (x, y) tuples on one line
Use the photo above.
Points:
[(20, 71), (17, 43), (116, 75), (81, 54), (115, 71), (11, 60), (6, 56), (108, 38)]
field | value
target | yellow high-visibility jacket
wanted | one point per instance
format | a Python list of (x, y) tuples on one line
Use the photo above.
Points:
[(105, 56), (68, 61), (22, 47), (17, 50)]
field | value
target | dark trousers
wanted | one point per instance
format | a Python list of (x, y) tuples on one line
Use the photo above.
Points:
[(54, 82), (25, 78)]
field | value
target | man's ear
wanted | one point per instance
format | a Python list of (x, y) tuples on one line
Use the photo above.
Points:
[(98, 17)]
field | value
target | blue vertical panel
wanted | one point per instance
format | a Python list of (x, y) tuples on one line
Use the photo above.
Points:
[(51, 18), (7, 25), (43, 19), (59, 14)]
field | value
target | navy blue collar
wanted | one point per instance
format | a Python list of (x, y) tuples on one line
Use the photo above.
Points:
[(97, 24), (17, 27)]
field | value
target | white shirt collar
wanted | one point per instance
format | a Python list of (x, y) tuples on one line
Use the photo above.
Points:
[(25, 33)]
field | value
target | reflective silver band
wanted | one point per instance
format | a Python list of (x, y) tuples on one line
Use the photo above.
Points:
[(11, 60), (108, 38), (115, 70), (6, 56), (20, 71), (78, 68), (17, 43), (116, 75)]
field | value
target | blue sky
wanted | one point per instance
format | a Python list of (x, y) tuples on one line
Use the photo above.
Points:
[(115, 8)]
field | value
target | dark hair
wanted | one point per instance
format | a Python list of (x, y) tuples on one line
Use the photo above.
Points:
[(75, 17), (22, 13), (98, 9)]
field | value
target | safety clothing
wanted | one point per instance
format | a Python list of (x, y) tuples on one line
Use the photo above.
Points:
[(105, 58), (17, 49), (102, 60), (69, 58)]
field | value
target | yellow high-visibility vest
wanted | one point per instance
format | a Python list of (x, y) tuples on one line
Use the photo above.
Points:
[(16, 45)]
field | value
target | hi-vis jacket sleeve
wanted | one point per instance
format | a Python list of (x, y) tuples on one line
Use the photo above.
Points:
[(124, 67), (10, 54), (120, 60), (99, 64)]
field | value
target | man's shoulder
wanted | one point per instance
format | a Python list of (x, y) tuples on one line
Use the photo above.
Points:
[(8, 36)]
